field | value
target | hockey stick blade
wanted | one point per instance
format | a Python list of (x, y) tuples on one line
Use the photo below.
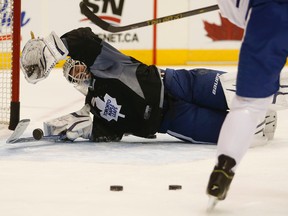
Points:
[(51, 138), (108, 27), (19, 130), (15, 137)]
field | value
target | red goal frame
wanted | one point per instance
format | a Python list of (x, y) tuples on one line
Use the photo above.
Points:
[(16, 40)]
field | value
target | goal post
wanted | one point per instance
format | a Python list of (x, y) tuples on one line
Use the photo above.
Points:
[(10, 38)]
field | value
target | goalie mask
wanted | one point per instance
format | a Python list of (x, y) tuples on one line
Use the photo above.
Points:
[(76, 73), (40, 55)]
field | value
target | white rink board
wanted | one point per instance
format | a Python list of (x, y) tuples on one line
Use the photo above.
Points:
[(45, 16)]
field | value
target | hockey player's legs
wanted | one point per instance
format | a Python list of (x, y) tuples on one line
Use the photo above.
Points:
[(239, 126), (234, 140), (263, 54)]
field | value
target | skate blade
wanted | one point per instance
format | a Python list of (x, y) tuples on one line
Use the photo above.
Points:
[(212, 203)]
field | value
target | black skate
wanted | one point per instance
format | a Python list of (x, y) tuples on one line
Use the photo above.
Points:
[(220, 180)]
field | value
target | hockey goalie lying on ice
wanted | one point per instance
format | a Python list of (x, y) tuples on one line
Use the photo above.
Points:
[(126, 96)]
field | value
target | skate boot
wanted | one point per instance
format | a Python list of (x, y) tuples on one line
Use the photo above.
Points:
[(220, 180)]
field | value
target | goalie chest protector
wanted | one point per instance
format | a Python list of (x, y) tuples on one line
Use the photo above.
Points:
[(122, 110)]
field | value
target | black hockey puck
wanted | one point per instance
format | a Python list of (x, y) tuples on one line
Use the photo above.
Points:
[(116, 188), (38, 134), (175, 187)]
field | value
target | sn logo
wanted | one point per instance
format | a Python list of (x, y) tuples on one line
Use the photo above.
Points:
[(104, 7)]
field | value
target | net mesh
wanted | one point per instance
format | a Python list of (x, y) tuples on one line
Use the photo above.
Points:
[(6, 46)]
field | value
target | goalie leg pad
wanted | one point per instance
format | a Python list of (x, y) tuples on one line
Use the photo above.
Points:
[(270, 124)]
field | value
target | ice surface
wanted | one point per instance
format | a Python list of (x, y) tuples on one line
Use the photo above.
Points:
[(73, 179)]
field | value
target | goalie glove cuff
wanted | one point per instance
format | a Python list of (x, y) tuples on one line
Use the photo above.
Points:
[(56, 46)]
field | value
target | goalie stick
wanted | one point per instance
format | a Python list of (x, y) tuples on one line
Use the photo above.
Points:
[(19, 130), (108, 27), (15, 137), (50, 138)]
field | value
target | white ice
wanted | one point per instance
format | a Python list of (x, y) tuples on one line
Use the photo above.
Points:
[(73, 179)]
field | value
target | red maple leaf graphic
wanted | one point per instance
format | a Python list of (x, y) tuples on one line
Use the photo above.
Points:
[(225, 31)]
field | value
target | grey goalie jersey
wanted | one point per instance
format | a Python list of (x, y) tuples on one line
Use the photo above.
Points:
[(126, 96)]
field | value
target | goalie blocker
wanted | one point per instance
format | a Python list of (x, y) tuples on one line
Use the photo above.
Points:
[(74, 125), (79, 125)]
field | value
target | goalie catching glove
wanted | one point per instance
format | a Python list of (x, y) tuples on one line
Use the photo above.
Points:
[(74, 125), (40, 55)]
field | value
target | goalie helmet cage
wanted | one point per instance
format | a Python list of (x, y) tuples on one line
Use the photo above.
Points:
[(10, 27)]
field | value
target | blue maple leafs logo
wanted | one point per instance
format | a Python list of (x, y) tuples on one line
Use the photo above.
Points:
[(110, 110)]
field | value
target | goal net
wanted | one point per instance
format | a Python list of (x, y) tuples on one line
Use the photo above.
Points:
[(10, 24)]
